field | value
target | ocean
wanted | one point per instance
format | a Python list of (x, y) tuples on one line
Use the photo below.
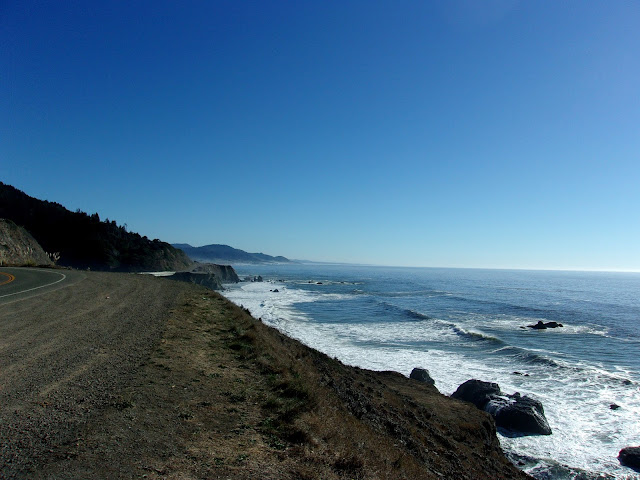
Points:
[(467, 323)]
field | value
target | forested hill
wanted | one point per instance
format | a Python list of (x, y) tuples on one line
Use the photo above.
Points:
[(225, 254), (85, 241)]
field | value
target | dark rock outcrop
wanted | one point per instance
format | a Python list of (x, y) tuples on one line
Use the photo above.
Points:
[(630, 457), (19, 248), (518, 414), (543, 326), (422, 375), (477, 392)]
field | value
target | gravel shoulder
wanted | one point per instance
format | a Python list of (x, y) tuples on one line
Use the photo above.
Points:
[(65, 356)]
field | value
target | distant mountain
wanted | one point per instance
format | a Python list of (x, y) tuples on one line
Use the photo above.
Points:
[(84, 241), (225, 254)]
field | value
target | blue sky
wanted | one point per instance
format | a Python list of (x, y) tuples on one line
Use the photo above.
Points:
[(496, 134)]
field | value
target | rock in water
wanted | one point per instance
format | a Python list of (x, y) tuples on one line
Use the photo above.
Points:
[(630, 457), (543, 326), (519, 414), (422, 375), (477, 392), (538, 326)]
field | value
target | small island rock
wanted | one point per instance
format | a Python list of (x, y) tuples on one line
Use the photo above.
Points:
[(422, 375), (543, 326)]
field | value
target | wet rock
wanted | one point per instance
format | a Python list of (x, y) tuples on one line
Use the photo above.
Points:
[(477, 392), (523, 415), (543, 326), (515, 413), (422, 375), (630, 457)]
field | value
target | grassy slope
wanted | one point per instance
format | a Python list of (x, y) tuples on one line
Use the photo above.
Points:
[(224, 396)]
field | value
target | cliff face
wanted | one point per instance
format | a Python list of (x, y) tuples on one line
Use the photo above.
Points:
[(208, 275), (18, 247), (226, 273), (85, 241)]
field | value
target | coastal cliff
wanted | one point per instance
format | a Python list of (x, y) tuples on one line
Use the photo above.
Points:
[(208, 275)]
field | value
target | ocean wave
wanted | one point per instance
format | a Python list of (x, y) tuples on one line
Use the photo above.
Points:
[(528, 357), (476, 336), (410, 314)]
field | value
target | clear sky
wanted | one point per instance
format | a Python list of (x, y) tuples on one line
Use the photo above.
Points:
[(427, 133)]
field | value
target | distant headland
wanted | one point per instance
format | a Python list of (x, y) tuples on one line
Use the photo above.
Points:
[(224, 254)]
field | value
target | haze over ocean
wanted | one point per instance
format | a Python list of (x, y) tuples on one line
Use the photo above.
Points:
[(501, 134)]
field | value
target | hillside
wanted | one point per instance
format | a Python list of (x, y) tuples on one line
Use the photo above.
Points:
[(84, 241), (18, 247), (225, 254)]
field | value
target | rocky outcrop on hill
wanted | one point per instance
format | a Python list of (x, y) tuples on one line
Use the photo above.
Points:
[(19, 248), (514, 413), (422, 375)]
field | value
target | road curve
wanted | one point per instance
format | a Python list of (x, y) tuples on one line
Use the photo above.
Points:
[(19, 283)]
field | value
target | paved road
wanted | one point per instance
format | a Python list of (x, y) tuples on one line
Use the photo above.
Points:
[(19, 283)]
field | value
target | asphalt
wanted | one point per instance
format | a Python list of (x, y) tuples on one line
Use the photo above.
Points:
[(19, 283)]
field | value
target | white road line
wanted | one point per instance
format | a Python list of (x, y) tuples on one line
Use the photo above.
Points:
[(36, 288)]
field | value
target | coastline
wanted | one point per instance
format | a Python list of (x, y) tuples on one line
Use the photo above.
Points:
[(463, 325), (224, 396)]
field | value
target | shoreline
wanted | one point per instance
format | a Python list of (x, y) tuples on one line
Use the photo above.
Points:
[(340, 330)]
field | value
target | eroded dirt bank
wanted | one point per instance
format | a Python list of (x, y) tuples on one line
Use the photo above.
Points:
[(170, 380)]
